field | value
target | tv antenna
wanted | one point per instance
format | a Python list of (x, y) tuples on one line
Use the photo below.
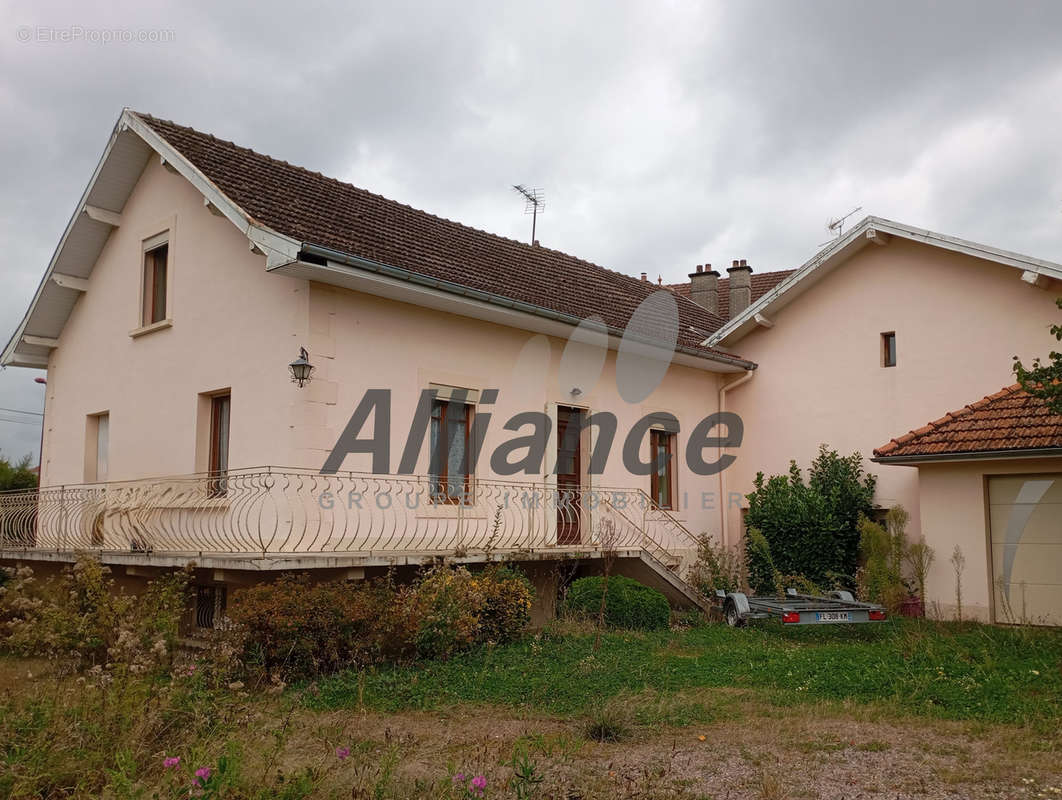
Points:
[(535, 203), (836, 226)]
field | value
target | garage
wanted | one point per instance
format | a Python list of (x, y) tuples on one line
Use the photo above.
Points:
[(990, 507), (1025, 518)]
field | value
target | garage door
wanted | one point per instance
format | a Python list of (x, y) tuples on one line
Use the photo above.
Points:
[(1025, 513)]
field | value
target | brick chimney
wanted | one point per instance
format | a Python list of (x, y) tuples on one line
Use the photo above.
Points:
[(740, 287), (704, 287)]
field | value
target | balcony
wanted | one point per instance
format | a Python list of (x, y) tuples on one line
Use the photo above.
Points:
[(275, 518)]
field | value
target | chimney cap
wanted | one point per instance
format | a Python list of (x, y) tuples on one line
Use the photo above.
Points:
[(643, 277), (740, 265), (704, 270)]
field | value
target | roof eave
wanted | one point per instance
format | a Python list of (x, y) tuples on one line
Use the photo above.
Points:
[(855, 240), (276, 246), (9, 357), (971, 455)]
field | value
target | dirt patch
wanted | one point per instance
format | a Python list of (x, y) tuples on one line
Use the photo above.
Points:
[(757, 752)]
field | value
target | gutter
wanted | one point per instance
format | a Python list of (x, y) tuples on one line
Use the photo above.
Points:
[(972, 455), (398, 273), (724, 502)]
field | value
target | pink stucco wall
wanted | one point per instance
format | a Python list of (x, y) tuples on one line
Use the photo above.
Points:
[(958, 322), (233, 327), (364, 342), (955, 513)]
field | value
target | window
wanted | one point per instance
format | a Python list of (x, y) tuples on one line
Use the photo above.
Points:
[(155, 276), (662, 478), (219, 443), (210, 604), (451, 424), (103, 435), (97, 447), (888, 349)]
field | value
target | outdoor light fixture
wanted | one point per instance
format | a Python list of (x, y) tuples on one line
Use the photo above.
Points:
[(576, 391), (301, 369)]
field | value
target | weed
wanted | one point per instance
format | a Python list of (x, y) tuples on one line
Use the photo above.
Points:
[(607, 724)]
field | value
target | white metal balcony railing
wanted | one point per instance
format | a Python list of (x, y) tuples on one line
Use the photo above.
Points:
[(271, 511)]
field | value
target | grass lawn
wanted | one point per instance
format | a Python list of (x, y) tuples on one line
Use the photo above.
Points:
[(971, 672), (895, 711)]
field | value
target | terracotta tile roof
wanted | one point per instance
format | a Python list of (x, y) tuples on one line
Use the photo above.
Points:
[(762, 282), (315, 209), (1010, 419)]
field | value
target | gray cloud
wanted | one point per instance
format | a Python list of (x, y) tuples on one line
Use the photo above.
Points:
[(664, 134)]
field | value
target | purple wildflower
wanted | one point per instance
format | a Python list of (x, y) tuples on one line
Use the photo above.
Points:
[(342, 752), (203, 774), (171, 762), (459, 778), (479, 784)]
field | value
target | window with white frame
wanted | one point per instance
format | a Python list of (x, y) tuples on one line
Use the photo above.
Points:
[(155, 284)]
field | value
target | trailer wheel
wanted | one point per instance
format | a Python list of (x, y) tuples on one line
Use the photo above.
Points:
[(731, 615)]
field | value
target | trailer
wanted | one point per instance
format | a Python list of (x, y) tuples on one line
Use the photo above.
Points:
[(838, 607)]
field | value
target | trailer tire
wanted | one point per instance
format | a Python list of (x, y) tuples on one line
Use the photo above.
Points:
[(731, 615)]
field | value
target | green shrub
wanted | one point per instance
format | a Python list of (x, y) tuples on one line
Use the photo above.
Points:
[(507, 595), (78, 619), (716, 567), (298, 628), (879, 579), (458, 609), (762, 576), (811, 526), (449, 621), (628, 604), (800, 583), (884, 550)]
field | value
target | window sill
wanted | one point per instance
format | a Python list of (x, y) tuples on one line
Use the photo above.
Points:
[(146, 329)]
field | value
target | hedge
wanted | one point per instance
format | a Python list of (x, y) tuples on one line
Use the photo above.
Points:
[(628, 604)]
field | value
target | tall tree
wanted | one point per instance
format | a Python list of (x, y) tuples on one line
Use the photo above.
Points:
[(17, 475)]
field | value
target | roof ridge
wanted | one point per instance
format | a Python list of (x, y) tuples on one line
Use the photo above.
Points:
[(348, 185)]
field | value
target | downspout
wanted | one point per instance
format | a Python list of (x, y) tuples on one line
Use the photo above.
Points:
[(723, 500)]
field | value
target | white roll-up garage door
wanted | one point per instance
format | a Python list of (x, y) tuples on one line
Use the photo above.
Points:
[(1025, 514)]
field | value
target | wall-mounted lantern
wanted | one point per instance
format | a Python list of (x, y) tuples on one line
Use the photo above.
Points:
[(301, 369)]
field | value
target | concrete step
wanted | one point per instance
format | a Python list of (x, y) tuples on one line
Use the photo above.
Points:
[(653, 572)]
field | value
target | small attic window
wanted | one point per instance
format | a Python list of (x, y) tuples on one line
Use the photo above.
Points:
[(888, 349), (156, 275)]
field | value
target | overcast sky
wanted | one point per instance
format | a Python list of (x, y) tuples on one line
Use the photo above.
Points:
[(664, 134)]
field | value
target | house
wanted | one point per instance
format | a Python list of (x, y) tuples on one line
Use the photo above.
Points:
[(876, 333), (194, 271), (468, 395), (990, 484)]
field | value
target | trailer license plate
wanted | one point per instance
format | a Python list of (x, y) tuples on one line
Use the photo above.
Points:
[(831, 616)]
